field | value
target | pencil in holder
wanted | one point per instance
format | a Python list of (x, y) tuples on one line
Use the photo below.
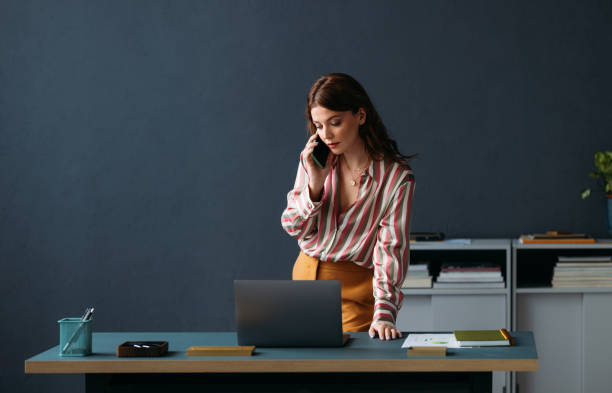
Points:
[(75, 337)]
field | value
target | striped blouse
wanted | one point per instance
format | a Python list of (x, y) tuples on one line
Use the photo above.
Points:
[(373, 232)]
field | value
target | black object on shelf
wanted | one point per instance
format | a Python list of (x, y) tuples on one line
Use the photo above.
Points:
[(426, 236)]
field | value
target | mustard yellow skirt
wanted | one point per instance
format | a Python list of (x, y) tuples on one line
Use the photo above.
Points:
[(356, 284)]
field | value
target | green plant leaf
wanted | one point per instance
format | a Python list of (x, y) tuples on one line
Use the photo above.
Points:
[(603, 175), (585, 193), (603, 162)]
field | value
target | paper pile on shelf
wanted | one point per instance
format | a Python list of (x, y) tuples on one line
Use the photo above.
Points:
[(583, 272), (417, 276), (464, 277)]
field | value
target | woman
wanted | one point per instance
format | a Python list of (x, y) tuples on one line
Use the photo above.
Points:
[(352, 218)]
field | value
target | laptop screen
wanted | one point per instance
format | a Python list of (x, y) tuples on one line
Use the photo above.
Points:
[(288, 313)]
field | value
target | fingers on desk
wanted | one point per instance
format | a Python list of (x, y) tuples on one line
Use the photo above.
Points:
[(385, 332)]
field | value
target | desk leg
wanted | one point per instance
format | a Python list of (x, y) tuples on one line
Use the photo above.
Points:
[(291, 382)]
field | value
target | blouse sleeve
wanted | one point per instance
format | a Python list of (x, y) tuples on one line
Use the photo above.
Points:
[(300, 216), (392, 255)]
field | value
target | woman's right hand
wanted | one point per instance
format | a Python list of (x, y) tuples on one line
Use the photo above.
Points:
[(316, 175)]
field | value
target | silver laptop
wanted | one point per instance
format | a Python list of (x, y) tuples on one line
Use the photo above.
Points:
[(288, 313)]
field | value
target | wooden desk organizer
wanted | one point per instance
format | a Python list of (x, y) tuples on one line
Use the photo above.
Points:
[(427, 351), (200, 350)]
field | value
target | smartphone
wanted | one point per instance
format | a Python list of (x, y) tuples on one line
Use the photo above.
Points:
[(320, 153)]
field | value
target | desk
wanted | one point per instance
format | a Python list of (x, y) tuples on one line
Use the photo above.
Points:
[(355, 367)]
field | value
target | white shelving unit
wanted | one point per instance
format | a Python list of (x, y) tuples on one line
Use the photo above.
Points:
[(571, 326), (431, 310)]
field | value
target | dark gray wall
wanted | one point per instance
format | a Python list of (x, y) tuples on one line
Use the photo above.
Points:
[(147, 147)]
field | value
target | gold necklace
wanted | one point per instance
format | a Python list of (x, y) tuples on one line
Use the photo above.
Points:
[(358, 171)]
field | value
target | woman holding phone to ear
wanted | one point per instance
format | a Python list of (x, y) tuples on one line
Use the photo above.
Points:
[(351, 218)]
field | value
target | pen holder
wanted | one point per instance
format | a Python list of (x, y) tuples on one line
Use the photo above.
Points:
[(75, 337)]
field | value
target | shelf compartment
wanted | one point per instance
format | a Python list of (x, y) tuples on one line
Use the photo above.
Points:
[(534, 266)]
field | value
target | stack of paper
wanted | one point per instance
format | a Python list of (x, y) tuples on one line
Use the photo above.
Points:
[(430, 340), (417, 276), (459, 339), (481, 276), (583, 272)]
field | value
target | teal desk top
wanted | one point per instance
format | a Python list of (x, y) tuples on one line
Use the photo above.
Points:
[(360, 354)]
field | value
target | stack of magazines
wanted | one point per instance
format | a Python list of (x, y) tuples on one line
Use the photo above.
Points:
[(460, 277), (417, 276), (583, 272)]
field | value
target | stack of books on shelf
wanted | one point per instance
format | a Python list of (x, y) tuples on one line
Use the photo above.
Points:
[(464, 277), (417, 276), (556, 237), (583, 272)]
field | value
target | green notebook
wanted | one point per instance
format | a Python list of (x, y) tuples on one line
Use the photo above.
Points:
[(483, 338)]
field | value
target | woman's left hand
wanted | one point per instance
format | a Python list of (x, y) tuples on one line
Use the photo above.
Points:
[(385, 331)]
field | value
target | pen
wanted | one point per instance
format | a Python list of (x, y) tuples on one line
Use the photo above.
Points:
[(86, 317), (144, 345), (88, 314)]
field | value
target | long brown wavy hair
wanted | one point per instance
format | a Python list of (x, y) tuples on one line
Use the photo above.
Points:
[(341, 92)]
